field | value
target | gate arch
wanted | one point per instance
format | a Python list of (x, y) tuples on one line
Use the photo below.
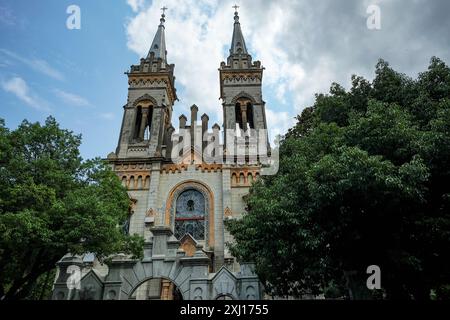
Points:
[(142, 281)]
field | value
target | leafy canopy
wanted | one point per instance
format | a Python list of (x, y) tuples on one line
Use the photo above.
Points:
[(52, 203), (363, 180)]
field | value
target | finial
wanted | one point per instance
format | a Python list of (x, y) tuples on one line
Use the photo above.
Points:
[(236, 14), (163, 15)]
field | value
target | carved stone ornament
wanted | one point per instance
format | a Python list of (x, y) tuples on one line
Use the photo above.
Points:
[(150, 213), (228, 213)]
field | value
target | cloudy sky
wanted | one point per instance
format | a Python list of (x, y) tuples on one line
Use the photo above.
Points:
[(77, 75)]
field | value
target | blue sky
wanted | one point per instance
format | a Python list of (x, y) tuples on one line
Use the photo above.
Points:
[(77, 75), (74, 75)]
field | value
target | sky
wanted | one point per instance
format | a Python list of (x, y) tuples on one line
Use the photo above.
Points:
[(77, 75)]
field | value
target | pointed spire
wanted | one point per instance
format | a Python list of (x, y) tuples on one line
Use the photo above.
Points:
[(158, 47), (237, 43)]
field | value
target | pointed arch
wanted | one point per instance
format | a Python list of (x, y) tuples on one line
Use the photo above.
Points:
[(243, 95), (145, 98)]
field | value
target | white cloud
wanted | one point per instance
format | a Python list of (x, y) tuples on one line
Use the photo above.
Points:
[(278, 123), (38, 65), (20, 89), (72, 99), (194, 43), (319, 80), (136, 4), (42, 66), (304, 46), (198, 35)]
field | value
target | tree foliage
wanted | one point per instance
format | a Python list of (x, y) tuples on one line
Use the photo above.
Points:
[(363, 180), (53, 203)]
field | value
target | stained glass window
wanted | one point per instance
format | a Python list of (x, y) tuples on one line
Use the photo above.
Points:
[(190, 214)]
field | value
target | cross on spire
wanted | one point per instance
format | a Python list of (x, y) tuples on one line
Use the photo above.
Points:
[(158, 47), (163, 9), (237, 43)]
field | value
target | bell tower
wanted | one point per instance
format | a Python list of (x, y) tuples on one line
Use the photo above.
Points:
[(146, 126), (240, 86)]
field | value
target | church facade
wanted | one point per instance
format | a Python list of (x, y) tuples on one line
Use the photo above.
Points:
[(183, 185)]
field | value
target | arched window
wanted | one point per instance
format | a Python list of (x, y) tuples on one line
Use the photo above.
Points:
[(190, 215)]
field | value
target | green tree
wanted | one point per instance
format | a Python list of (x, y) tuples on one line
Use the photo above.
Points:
[(53, 203), (363, 180)]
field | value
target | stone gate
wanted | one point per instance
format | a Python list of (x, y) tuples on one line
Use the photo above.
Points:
[(163, 258)]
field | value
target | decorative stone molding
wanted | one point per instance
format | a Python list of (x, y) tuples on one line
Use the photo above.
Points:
[(244, 177), (228, 214), (137, 149), (132, 166), (189, 245), (241, 76), (174, 168), (134, 175), (145, 98), (146, 80), (243, 95), (135, 180), (209, 167), (150, 216), (150, 213)]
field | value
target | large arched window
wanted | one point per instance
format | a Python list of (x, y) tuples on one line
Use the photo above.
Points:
[(190, 214)]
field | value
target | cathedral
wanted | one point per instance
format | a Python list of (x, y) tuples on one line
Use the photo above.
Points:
[(183, 185)]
